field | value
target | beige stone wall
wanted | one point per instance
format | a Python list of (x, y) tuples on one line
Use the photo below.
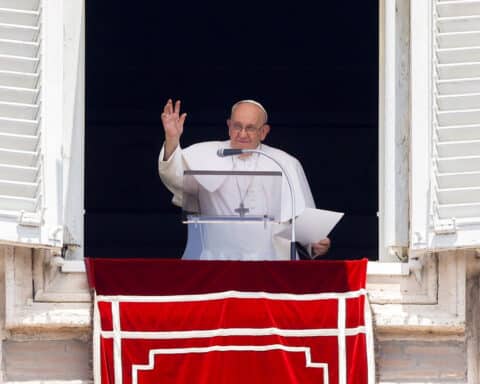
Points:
[(426, 359), (427, 321), (30, 360), (45, 319)]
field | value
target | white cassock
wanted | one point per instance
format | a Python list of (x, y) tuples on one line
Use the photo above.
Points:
[(221, 195)]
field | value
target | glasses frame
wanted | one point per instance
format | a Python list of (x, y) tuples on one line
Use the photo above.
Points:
[(250, 129)]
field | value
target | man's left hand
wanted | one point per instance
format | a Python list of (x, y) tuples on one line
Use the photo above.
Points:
[(321, 248)]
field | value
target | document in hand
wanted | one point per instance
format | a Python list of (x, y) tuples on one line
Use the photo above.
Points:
[(312, 225)]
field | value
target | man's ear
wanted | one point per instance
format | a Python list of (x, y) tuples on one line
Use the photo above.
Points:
[(228, 123), (265, 131)]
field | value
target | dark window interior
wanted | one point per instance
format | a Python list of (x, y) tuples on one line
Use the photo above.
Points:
[(314, 67)]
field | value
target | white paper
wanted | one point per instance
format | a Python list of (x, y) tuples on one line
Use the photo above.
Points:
[(312, 225)]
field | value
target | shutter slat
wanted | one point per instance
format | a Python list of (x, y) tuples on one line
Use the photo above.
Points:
[(456, 195), (459, 24), (18, 110), (460, 8), (459, 148), (18, 63), (18, 126), (19, 17), (458, 39), (18, 32), (458, 86), (18, 79), (18, 95), (26, 5), (458, 180), (459, 132), (459, 164), (17, 204), (457, 102), (19, 142), (458, 71), (20, 158), (459, 117), (18, 48), (459, 210), (16, 173), (18, 189), (458, 55)]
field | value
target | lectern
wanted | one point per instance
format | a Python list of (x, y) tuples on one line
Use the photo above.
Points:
[(231, 214)]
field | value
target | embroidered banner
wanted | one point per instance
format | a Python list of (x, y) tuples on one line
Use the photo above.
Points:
[(172, 321)]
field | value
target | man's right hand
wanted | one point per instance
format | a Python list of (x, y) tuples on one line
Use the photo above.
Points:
[(173, 126)]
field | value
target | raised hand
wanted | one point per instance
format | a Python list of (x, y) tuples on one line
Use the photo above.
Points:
[(172, 125)]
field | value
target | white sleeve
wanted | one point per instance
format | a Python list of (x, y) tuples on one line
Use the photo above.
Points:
[(309, 201), (171, 173), (305, 187)]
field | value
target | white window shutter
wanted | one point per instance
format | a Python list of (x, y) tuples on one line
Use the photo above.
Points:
[(455, 184), (41, 124), (20, 120)]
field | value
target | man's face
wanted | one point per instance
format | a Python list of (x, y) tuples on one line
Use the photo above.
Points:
[(246, 126)]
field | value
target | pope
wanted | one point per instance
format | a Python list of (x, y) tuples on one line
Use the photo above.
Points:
[(247, 129)]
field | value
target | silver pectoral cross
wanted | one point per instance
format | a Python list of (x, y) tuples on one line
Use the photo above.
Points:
[(241, 210)]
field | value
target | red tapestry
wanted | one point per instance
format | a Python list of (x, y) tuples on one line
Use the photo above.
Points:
[(172, 321)]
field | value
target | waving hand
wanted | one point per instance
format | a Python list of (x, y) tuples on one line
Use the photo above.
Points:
[(172, 125)]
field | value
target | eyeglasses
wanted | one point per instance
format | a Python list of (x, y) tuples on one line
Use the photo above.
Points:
[(250, 129)]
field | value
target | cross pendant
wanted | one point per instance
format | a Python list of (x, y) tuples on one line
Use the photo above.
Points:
[(241, 210)]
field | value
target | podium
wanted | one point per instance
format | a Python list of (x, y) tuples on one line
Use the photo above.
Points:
[(231, 214), (194, 321)]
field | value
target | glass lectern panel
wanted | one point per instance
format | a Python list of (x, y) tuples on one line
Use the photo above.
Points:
[(231, 196), (231, 215)]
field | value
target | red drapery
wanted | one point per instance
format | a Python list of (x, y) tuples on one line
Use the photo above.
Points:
[(178, 321)]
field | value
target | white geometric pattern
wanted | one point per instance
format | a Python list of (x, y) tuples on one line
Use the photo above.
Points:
[(225, 348), (340, 332)]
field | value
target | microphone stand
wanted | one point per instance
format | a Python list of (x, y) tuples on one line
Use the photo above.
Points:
[(232, 152)]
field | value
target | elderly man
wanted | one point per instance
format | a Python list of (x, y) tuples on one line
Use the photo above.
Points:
[(247, 127)]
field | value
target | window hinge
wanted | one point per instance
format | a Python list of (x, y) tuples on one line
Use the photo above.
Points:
[(416, 263), (398, 253), (56, 234), (445, 227)]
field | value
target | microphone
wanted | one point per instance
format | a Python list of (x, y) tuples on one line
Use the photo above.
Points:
[(223, 152)]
